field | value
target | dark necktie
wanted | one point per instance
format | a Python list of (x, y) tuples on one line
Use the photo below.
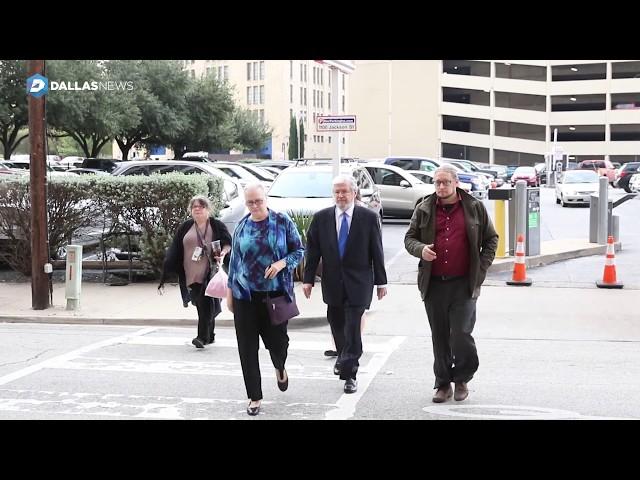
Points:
[(342, 236)]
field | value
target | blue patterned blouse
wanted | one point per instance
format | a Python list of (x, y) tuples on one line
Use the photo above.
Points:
[(256, 245)]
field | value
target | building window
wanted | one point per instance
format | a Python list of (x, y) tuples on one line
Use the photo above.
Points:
[(291, 69), (290, 93), (625, 70), (314, 96), (261, 94), (578, 103), (465, 124), (343, 142), (255, 71), (521, 72), (290, 112), (466, 67), (305, 73), (256, 95), (506, 157), (521, 101), (301, 72), (625, 101), (208, 71), (261, 115), (314, 78), (321, 76), (625, 133), (321, 99), (342, 103), (305, 96), (301, 95), (329, 100), (329, 137), (249, 96), (465, 95), (520, 130), (261, 70), (578, 133), (343, 80), (226, 73), (592, 71), (220, 73), (248, 70)]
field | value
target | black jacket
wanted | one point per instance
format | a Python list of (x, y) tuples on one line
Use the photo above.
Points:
[(173, 261), (362, 266)]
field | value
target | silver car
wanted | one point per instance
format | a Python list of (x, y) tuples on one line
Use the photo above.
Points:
[(307, 189), (401, 192), (576, 187), (233, 208)]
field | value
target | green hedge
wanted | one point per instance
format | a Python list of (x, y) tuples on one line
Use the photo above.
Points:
[(152, 206)]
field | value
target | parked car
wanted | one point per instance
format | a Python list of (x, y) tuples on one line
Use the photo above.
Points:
[(307, 189), (624, 175), (25, 164), (470, 166), (5, 171), (604, 168), (400, 191), (237, 171), (634, 183), (257, 171), (525, 173), (71, 162), (279, 164), (233, 194), (106, 164), (576, 186), (485, 178), (541, 172), (427, 177), (87, 171), (413, 163)]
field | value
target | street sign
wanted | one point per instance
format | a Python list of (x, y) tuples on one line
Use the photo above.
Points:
[(336, 123), (558, 152)]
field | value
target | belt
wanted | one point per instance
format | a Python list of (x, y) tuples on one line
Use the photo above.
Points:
[(446, 278)]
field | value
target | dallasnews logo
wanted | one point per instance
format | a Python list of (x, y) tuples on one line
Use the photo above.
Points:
[(38, 85)]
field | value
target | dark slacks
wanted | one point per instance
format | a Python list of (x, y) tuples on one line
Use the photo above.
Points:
[(345, 328), (452, 316), (208, 309), (251, 321)]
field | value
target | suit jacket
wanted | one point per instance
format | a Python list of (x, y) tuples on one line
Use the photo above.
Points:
[(362, 266)]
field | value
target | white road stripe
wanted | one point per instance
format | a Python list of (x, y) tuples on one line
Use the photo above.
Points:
[(346, 405), (61, 359)]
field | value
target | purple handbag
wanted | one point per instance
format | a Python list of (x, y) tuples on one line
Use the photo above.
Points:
[(280, 309)]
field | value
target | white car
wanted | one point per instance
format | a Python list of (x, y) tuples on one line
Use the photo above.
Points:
[(427, 177), (400, 191), (634, 183), (236, 170), (576, 187)]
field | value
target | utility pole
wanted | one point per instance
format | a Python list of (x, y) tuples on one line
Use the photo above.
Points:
[(38, 193)]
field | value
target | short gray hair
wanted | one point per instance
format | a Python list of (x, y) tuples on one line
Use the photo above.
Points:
[(450, 169), (200, 200), (255, 186), (346, 179)]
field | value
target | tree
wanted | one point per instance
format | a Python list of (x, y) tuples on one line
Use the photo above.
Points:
[(160, 88), (90, 117), (301, 141), (14, 112), (209, 111), (293, 139), (250, 133)]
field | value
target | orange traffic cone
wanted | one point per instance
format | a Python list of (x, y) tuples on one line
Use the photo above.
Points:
[(609, 275), (519, 268)]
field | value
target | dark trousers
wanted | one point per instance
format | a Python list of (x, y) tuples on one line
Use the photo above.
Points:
[(345, 328), (252, 320), (208, 308), (452, 316)]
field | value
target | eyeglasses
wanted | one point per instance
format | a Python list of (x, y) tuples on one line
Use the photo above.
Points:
[(197, 205), (342, 192), (251, 203), (444, 183)]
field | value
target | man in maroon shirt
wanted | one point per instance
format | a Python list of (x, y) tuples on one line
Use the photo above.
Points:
[(454, 238)]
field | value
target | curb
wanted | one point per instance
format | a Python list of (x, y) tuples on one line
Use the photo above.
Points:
[(541, 260), (294, 324)]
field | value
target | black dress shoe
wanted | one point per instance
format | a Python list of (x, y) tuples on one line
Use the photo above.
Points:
[(336, 368), (284, 384), (351, 386), (253, 411), (198, 343), (330, 353)]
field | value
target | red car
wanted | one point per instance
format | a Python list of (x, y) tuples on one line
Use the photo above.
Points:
[(604, 168), (527, 174)]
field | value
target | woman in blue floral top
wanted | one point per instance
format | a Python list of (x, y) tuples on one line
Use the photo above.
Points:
[(266, 249)]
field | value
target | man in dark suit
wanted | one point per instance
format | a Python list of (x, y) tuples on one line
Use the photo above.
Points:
[(348, 239)]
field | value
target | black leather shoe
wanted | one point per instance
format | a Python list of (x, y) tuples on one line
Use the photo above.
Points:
[(336, 368), (330, 353), (351, 386), (285, 383), (198, 343), (212, 339), (253, 411)]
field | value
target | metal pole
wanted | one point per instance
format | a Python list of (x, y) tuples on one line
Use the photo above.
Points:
[(603, 204), (38, 194), (521, 209), (335, 109)]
